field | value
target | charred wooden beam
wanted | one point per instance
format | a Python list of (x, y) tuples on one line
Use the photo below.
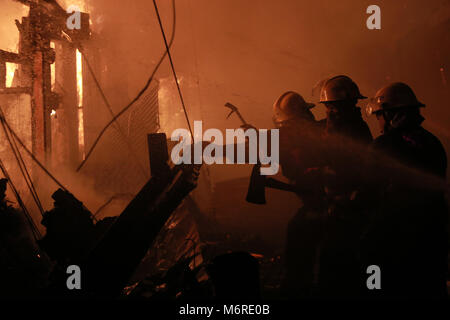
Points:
[(2, 75), (16, 90), (115, 258), (12, 57), (43, 4), (51, 20)]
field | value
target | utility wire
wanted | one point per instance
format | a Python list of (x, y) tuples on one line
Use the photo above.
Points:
[(21, 164), (114, 197), (102, 93), (32, 155), (31, 184), (34, 229), (173, 68), (3, 120), (22, 167), (102, 132), (108, 105)]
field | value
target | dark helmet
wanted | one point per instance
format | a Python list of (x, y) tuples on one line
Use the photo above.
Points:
[(339, 88), (291, 105), (396, 95)]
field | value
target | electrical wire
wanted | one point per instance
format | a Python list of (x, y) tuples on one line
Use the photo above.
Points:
[(114, 197), (22, 167), (108, 105), (33, 189), (36, 234), (31, 154), (172, 67), (3, 120), (150, 79)]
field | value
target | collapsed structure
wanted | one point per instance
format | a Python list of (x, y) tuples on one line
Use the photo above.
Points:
[(49, 109)]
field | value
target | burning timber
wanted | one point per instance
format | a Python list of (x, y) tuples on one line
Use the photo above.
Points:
[(108, 260)]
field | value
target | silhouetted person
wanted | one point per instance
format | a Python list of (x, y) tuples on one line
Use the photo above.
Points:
[(340, 95), (300, 161), (407, 238), (346, 138), (70, 229), (23, 268)]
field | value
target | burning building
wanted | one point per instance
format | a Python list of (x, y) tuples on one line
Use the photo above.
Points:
[(84, 110)]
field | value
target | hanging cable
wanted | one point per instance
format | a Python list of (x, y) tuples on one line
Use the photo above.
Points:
[(22, 167), (173, 68), (127, 196), (31, 184), (108, 105), (34, 158), (36, 234), (3, 120), (150, 79), (31, 154)]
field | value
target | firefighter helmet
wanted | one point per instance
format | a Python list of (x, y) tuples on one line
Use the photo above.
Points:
[(290, 105), (393, 96), (339, 88)]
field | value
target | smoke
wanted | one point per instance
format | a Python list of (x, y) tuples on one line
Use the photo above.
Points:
[(250, 52), (9, 34), (82, 4)]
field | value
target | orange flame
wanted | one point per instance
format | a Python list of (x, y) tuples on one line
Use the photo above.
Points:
[(80, 103), (10, 71), (79, 78), (79, 3)]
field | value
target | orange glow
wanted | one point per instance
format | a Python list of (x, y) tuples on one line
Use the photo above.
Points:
[(79, 79), (10, 71), (9, 39), (80, 104), (52, 68), (81, 133), (79, 3)]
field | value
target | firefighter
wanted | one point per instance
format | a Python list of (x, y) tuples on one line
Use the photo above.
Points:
[(300, 160), (347, 137), (407, 238), (340, 95), (299, 131), (23, 267)]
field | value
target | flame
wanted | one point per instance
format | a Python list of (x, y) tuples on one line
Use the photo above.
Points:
[(79, 3), (80, 103), (79, 78), (81, 133), (52, 69), (10, 71), (9, 34)]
